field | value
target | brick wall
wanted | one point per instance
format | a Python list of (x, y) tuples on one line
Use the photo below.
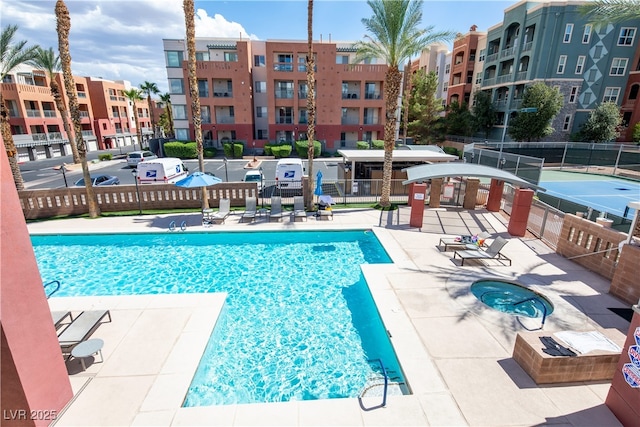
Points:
[(625, 284)]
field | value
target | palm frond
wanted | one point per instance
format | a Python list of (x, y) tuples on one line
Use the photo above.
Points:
[(46, 60), (13, 53), (607, 11)]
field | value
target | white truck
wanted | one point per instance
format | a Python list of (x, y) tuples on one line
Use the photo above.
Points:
[(289, 173), (158, 171)]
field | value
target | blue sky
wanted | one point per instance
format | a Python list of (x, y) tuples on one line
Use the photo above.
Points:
[(122, 40)]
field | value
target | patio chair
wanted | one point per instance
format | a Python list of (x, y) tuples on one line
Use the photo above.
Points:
[(492, 252), (250, 209), (465, 241), (59, 317), (207, 217), (275, 214), (223, 212), (298, 209), (81, 328)]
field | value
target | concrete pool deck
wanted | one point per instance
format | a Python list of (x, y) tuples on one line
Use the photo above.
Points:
[(455, 352)]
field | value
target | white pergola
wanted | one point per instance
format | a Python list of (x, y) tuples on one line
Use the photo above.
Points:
[(417, 156)]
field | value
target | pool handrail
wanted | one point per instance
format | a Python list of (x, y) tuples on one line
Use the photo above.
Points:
[(544, 307), (384, 393), (57, 288), (172, 226)]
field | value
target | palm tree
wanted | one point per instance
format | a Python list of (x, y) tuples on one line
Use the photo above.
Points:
[(12, 54), (135, 95), (311, 103), (395, 37), (63, 26), (48, 61), (151, 88), (606, 11), (166, 98), (189, 20)]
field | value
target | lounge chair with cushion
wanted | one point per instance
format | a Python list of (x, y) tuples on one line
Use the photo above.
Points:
[(223, 212), (492, 252), (479, 241), (59, 317), (298, 209), (250, 209), (81, 328), (275, 214)]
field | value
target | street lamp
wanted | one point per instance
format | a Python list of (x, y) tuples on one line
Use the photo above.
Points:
[(226, 171), (64, 175), (506, 122), (261, 185), (134, 172), (254, 151)]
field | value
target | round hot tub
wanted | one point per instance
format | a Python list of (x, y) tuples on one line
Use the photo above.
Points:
[(512, 298)]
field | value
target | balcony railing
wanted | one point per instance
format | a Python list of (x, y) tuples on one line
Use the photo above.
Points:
[(372, 95), (82, 94), (119, 130), (84, 114), (223, 94), (492, 57), (113, 98), (55, 136), (506, 52), (226, 119), (351, 96), (282, 66), (205, 119), (39, 136), (504, 79), (371, 121), (527, 46), (203, 94), (522, 75), (284, 120), (489, 82), (115, 114), (33, 113), (88, 133), (49, 113), (349, 121), (284, 94), (302, 94)]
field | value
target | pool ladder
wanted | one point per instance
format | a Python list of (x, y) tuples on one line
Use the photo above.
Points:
[(370, 386), (172, 226), (56, 289), (534, 299)]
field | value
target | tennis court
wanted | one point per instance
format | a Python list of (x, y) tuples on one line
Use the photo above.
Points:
[(601, 193)]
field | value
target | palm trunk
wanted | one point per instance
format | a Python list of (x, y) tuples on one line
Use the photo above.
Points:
[(405, 100), (189, 19), (57, 97), (9, 145), (63, 27), (170, 118), (393, 78), (136, 120), (311, 104), (153, 121)]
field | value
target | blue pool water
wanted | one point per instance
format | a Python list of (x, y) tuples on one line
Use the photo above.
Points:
[(511, 298), (299, 322)]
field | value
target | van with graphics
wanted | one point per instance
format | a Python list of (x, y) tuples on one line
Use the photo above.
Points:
[(289, 173), (167, 170)]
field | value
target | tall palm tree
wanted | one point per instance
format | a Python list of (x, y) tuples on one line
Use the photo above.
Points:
[(48, 61), (189, 20), (12, 54), (135, 95), (311, 103), (151, 88), (63, 26), (606, 11), (166, 98), (395, 37)]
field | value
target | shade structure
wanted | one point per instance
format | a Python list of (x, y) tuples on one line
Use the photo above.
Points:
[(318, 190), (198, 179)]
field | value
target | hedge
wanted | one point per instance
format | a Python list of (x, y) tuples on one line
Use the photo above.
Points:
[(377, 144), (281, 150), (362, 145), (186, 150), (233, 149), (302, 148), (452, 150)]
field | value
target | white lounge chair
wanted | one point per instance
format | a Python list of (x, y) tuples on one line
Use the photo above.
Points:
[(250, 209), (81, 328), (223, 212), (492, 252), (275, 214), (298, 209)]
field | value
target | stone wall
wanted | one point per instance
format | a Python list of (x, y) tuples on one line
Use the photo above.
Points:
[(625, 284)]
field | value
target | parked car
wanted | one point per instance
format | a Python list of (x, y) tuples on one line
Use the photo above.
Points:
[(99, 180), (136, 157), (254, 176)]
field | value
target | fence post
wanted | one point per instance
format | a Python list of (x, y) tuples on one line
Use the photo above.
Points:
[(615, 167), (544, 221), (564, 154)]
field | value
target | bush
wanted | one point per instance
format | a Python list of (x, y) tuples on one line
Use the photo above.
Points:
[(105, 156), (182, 150), (452, 150), (302, 148), (377, 144), (362, 145), (280, 151), (210, 152), (233, 149), (267, 150)]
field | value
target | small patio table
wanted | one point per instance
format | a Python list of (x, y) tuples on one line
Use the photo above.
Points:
[(88, 348)]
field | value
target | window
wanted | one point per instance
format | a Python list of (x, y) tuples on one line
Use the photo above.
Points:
[(437, 70), (179, 112), (618, 66), (626, 118), (633, 93), (342, 59), (205, 114), (176, 86), (182, 134), (611, 94), (259, 61), (230, 57), (174, 58), (478, 78), (567, 33), (261, 87), (561, 64), (580, 64), (586, 36), (573, 94), (587, 98), (627, 34), (483, 53), (263, 134), (203, 88), (445, 86), (202, 56), (261, 111), (447, 68), (567, 122)]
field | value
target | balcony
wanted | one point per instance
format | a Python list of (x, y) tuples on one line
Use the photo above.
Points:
[(284, 120), (225, 119), (491, 58), (84, 114), (507, 52), (88, 133), (371, 121), (504, 78), (372, 95), (113, 98), (39, 136), (303, 94), (33, 113), (489, 82), (205, 119), (55, 136), (284, 94), (223, 94), (49, 113), (283, 66), (522, 75), (82, 94), (351, 96), (349, 121), (527, 46)]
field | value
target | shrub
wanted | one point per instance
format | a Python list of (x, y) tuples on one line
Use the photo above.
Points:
[(362, 145), (233, 149), (377, 144), (302, 148), (281, 150), (105, 156), (452, 150), (267, 150), (210, 152), (182, 150)]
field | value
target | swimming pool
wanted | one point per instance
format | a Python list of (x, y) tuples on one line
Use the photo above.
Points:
[(299, 321), (512, 298)]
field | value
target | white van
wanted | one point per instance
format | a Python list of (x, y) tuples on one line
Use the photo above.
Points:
[(289, 173), (167, 170)]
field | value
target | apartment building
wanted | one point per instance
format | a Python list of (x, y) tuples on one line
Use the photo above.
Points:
[(37, 127), (256, 92), (552, 43), (436, 58), (630, 107), (463, 61)]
